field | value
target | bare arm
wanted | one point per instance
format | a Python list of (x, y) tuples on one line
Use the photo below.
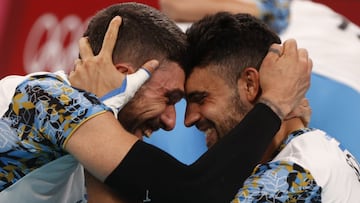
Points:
[(101, 142), (98, 74), (102, 145)]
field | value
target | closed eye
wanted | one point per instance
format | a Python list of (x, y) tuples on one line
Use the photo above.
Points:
[(174, 96), (196, 97)]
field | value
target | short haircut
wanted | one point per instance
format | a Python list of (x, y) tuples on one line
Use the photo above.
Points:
[(230, 42), (145, 34)]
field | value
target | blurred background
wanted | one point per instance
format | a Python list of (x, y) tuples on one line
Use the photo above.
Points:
[(42, 35)]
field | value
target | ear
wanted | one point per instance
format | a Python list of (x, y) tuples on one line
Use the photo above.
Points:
[(125, 68), (249, 84)]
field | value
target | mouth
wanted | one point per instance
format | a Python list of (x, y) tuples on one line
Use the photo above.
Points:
[(146, 129)]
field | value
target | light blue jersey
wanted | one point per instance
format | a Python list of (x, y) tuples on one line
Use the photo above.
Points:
[(39, 113)]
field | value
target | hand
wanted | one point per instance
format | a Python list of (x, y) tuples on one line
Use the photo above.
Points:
[(302, 111), (117, 98), (97, 74), (285, 77)]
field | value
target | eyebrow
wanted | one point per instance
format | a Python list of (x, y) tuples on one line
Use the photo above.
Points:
[(176, 95), (190, 96)]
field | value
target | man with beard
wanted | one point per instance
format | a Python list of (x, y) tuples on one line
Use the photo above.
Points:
[(224, 83), (104, 147), (153, 108)]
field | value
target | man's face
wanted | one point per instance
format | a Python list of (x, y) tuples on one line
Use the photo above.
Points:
[(212, 105), (153, 105)]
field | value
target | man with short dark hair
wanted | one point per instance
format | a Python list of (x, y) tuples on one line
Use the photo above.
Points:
[(224, 84), (132, 168)]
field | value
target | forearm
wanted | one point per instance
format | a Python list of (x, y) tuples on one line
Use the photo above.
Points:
[(224, 167), (234, 157)]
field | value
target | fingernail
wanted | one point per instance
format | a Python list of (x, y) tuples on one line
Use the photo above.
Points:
[(154, 63)]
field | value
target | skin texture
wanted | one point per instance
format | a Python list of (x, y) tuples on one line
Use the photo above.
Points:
[(215, 108), (115, 142), (223, 76), (208, 96), (153, 106), (290, 52), (89, 64)]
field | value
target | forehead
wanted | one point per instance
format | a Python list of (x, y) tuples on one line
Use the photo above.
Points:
[(169, 76), (204, 79)]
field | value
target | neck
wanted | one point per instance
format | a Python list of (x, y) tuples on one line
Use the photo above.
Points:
[(286, 128)]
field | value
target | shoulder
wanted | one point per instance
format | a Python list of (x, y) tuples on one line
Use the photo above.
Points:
[(281, 181)]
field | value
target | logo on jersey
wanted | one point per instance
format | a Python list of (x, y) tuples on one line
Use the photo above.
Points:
[(147, 197)]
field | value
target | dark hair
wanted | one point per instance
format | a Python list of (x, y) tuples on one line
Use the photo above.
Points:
[(230, 42), (145, 34)]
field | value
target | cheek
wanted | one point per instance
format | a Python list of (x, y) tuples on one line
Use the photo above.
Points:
[(151, 109), (222, 116), (212, 112)]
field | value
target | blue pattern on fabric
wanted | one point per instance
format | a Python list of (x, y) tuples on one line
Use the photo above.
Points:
[(275, 13), (44, 111), (280, 181)]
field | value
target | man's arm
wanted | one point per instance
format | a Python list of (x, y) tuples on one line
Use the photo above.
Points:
[(105, 77), (99, 192), (146, 168), (285, 77), (134, 168)]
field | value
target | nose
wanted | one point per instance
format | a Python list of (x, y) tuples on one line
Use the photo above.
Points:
[(168, 118), (192, 114)]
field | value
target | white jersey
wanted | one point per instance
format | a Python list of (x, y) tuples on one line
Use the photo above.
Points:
[(332, 40), (335, 170)]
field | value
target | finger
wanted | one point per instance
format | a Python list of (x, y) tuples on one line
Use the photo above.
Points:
[(135, 80), (77, 64), (150, 66), (302, 111), (310, 66), (110, 37), (290, 47), (276, 49), (304, 55), (85, 48), (117, 98), (274, 52), (305, 102)]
